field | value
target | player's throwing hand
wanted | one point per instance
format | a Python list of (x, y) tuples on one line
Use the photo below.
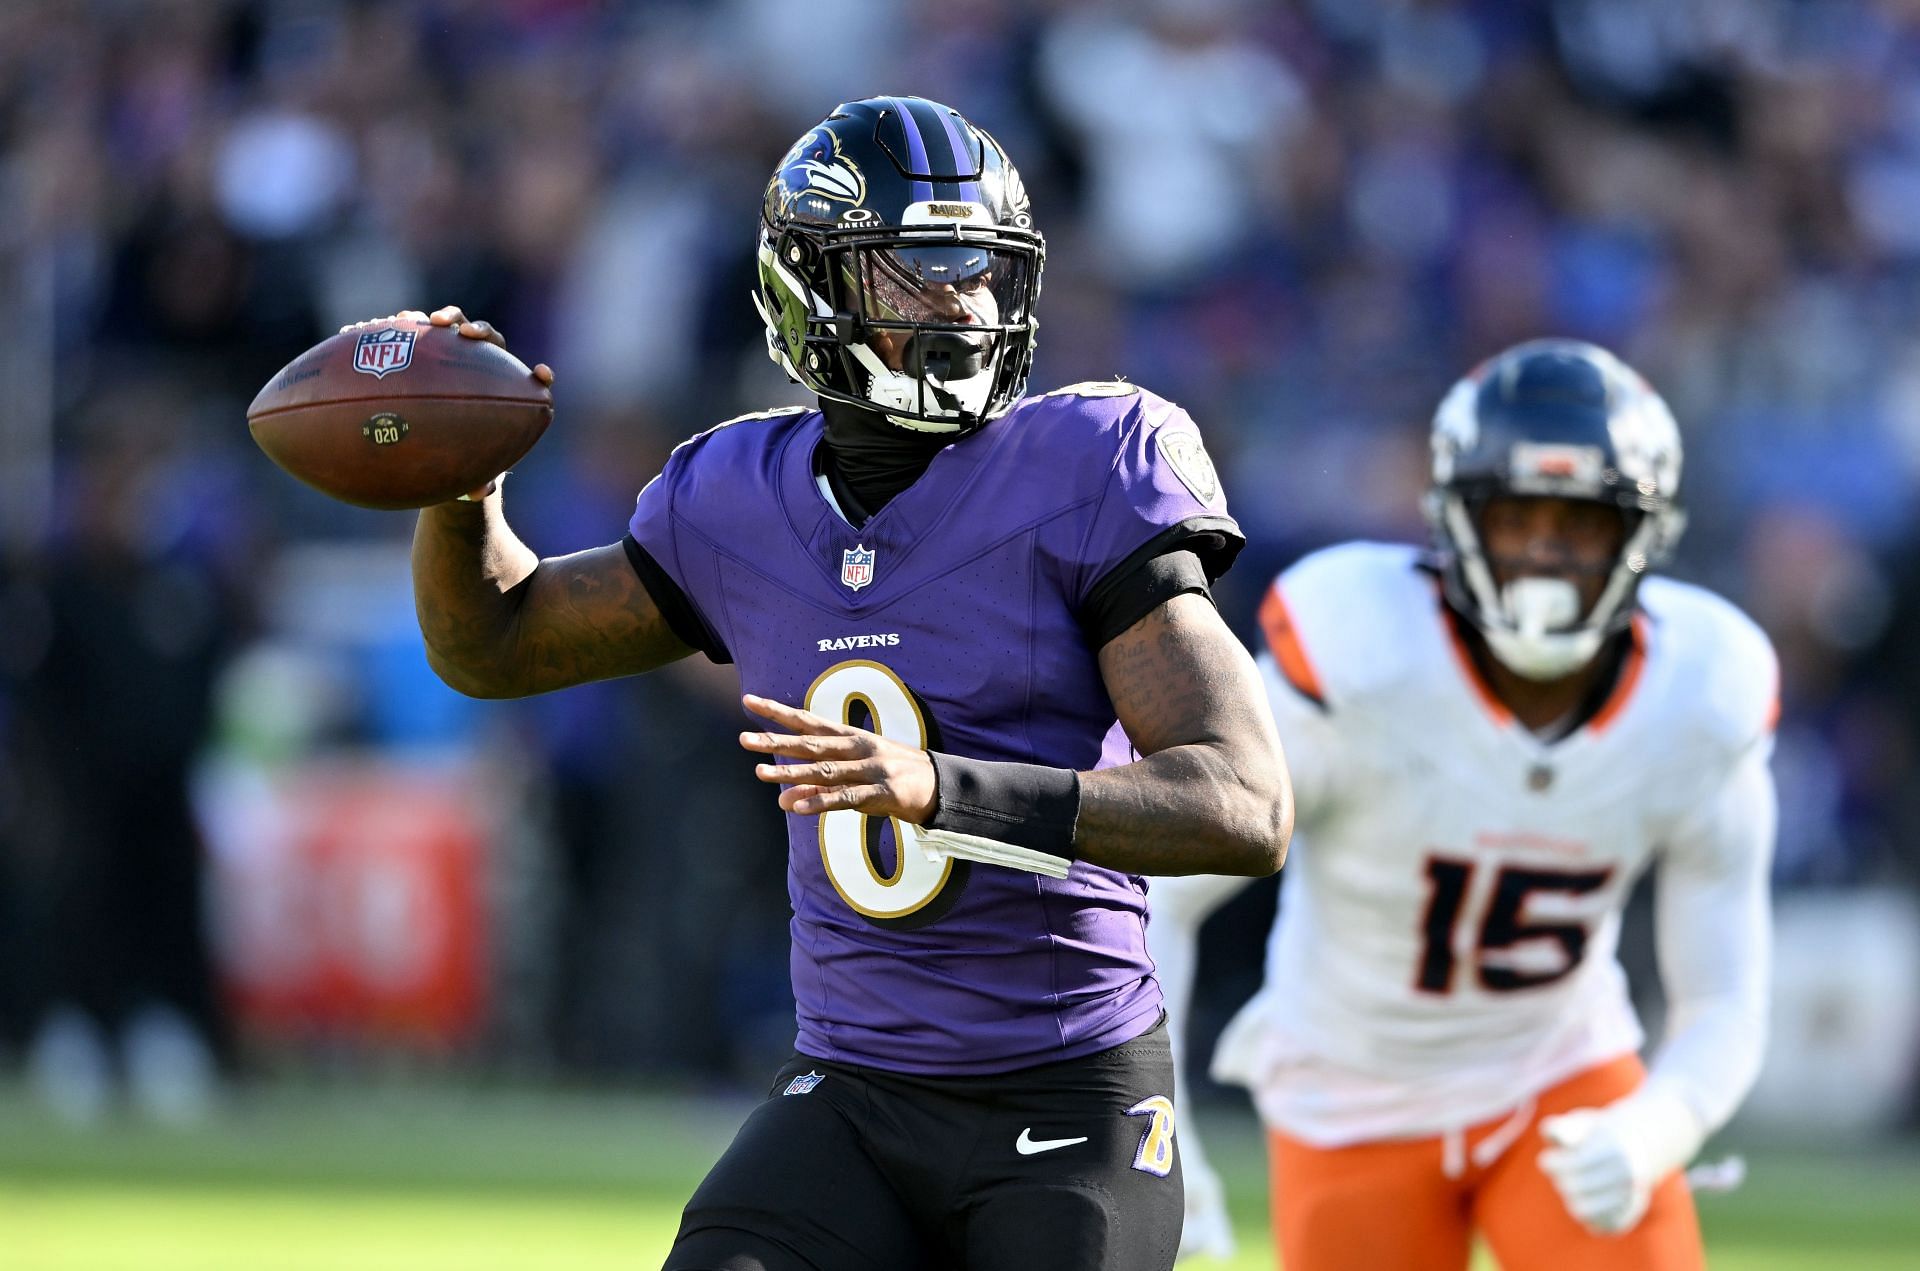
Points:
[(454, 316), (841, 766)]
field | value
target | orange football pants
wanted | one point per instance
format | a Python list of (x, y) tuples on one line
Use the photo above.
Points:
[(1415, 1204)]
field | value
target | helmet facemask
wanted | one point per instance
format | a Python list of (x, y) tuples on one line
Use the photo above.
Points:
[(932, 327), (1539, 626)]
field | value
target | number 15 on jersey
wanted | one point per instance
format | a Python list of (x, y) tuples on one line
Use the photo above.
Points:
[(1516, 949)]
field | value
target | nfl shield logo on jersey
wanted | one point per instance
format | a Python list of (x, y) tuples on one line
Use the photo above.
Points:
[(380, 353), (856, 566), (804, 1083)]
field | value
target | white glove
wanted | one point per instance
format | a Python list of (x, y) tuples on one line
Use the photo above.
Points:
[(1605, 1162), (1208, 1231)]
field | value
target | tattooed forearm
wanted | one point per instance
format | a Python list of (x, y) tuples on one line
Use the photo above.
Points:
[(1210, 795), (500, 622), (589, 617), (466, 562)]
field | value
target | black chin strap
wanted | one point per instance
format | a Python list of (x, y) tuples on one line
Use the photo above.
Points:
[(868, 458)]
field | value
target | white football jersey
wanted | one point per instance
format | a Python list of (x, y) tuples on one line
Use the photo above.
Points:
[(1449, 913)]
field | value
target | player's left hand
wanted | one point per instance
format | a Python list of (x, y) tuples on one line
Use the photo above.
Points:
[(841, 766), (1605, 1162), (1588, 1165)]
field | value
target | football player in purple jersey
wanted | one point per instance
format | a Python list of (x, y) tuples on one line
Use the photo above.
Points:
[(991, 688)]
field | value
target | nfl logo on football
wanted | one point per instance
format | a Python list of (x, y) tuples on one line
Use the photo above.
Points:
[(856, 566), (380, 353)]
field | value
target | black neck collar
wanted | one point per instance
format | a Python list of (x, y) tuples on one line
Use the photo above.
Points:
[(868, 459)]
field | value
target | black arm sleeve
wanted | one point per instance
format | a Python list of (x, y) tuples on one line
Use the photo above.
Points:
[(1181, 558), (682, 618)]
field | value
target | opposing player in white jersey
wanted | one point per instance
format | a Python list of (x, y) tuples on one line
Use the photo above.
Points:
[(1489, 743)]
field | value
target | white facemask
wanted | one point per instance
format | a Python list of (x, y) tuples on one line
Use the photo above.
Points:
[(1532, 640)]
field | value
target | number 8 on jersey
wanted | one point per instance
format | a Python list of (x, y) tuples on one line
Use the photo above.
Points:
[(892, 712)]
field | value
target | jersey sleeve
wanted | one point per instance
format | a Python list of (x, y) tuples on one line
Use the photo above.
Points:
[(1301, 711), (1308, 740), (655, 552), (1715, 941), (1712, 928), (1730, 673), (1160, 495)]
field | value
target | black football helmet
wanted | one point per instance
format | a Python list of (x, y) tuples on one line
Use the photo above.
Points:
[(1562, 418), (899, 265)]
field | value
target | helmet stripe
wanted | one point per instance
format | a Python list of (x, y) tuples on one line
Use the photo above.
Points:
[(962, 159), (916, 149)]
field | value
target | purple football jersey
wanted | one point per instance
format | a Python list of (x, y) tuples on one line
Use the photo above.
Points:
[(949, 620)]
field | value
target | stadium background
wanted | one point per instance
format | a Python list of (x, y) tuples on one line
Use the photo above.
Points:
[(305, 960)]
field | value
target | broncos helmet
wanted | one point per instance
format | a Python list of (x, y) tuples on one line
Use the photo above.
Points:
[(899, 265), (1561, 418)]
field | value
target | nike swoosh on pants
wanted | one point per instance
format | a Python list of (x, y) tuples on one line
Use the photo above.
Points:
[(1027, 1145)]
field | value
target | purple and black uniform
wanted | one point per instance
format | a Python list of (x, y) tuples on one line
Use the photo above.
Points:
[(980, 1081), (956, 613)]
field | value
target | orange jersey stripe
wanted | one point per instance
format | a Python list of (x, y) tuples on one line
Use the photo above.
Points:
[(1629, 676), (1773, 707), (1288, 653), (1481, 689)]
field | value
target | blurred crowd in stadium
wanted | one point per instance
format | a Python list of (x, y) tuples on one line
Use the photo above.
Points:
[(1302, 221)]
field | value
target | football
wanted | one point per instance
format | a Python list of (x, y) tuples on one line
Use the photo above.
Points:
[(400, 414)]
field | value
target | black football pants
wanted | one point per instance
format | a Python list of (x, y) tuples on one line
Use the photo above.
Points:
[(1064, 1167)]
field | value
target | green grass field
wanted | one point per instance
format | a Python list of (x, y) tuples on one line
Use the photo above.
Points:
[(299, 1180)]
